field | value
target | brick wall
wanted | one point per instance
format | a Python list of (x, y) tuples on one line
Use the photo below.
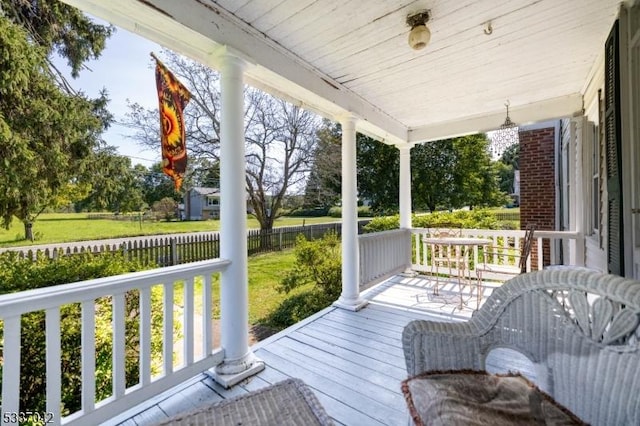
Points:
[(537, 184)]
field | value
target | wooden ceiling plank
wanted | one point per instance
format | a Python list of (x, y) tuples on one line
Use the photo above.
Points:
[(232, 5), (482, 65), (404, 58), (286, 11), (251, 12)]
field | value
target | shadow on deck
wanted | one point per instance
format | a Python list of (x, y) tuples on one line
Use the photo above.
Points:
[(353, 361)]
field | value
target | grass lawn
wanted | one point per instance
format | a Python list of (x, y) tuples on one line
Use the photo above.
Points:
[(265, 273), (513, 210), (69, 227)]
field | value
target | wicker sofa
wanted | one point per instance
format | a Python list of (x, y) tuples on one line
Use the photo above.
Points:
[(579, 328)]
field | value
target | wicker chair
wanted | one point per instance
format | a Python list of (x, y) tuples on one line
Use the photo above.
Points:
[(579, 328), (504, 270)]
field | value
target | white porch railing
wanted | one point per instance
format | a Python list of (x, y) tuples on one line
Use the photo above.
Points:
[(383, 254), (510, 240), (197, 355)]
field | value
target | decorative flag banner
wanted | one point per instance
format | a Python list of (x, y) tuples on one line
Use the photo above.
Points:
[(172, 98)]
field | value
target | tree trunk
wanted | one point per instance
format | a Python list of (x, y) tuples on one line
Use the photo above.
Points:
[(266, 229), (28, 231)]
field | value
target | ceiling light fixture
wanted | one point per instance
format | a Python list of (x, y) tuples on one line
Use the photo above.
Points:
[(419, 35), (504, 137)]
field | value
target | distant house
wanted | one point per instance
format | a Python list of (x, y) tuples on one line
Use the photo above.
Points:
[(201, 203)]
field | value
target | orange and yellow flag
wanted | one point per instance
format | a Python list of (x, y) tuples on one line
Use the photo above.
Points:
[(172, 97)]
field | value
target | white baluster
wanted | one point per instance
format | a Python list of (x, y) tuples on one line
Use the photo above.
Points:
[(88, 342), (54, 371), (118, 321), (207, 337), (188, 313), (11, 369), (167, 329), (145, 336)]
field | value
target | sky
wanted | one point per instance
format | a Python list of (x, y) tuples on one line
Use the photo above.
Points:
[(125, 69)]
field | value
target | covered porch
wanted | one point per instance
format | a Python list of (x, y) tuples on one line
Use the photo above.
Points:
[(351, 359), (350, 62)]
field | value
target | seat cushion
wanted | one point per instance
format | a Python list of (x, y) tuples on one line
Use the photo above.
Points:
[(478, 398)]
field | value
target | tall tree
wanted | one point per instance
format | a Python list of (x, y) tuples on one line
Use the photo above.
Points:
[(475, 177), (324, 183), (448, 173), (46, 131), (281, 140), (155, 185), (203, 172), (508, 164), (378, 174), (58, 28), (433, 166), (279, 136), (114, 183)]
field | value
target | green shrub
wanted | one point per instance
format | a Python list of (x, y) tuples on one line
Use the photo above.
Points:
[(363, 211), (23, 274), (295, 308), (318, 262), (383, 223), (509, 224), (312, 212), (468, 219)]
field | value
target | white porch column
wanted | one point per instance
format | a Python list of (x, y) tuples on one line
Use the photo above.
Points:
[(405, 187), (580, 198), (239, 362), (350, 297), (576, 192)]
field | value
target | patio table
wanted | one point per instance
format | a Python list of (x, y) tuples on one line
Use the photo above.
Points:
[(464, 244)]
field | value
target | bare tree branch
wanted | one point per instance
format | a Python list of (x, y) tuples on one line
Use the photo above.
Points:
[(280, 138)]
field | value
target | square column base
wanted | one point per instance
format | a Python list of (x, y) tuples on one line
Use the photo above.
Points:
[(353, 306), (229, 380)]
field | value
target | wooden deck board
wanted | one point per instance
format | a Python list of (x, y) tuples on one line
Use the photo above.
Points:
[(353, 361), (352, 381), (357, 347), (395, 371), (343, 328), (355, 320), (355, 376), (331, 386), (150, 416)]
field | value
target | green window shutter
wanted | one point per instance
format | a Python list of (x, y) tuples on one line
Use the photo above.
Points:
[(615, 242)]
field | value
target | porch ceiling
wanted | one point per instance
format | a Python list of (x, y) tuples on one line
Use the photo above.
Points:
[(339, 56)]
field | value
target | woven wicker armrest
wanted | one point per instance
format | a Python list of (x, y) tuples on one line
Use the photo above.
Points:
[(430, 345)]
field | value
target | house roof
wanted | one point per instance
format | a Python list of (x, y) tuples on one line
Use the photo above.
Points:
[(337, 57), (205, 191)]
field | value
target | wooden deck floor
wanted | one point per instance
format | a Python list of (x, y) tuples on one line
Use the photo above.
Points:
[(353, 361)]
